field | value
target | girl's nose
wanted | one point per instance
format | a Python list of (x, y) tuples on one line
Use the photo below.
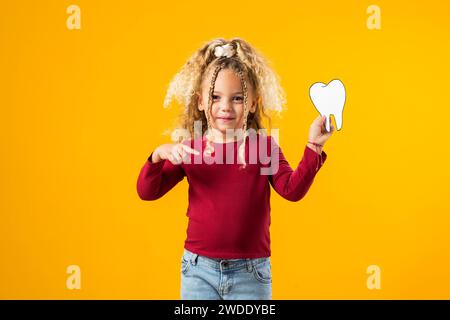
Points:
[(226, 105)]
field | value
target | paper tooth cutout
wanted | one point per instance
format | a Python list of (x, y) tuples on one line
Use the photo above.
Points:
[(329, 99)]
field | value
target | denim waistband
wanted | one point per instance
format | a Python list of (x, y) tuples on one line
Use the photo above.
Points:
[(224, 264)]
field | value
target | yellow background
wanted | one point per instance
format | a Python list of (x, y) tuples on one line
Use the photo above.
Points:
[(81, 110)]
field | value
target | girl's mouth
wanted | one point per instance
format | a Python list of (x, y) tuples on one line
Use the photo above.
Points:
[(225, 119)]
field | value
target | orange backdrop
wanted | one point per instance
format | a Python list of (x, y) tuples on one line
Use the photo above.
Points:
[(82, 110)]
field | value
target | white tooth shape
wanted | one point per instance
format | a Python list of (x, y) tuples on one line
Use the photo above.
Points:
[(329, 99)]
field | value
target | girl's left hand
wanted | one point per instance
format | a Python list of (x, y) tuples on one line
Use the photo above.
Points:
[(318, 132)]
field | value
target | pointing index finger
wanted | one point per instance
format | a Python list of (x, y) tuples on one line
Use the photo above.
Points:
[(190, 150)]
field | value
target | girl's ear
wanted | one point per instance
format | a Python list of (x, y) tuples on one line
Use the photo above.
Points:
[(253, 106), (200, 101)]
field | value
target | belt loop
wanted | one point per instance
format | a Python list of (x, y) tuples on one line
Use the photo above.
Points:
[(194, 258), (249, 264)]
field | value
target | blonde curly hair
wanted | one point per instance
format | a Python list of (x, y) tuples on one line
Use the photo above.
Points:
[(254, 72)]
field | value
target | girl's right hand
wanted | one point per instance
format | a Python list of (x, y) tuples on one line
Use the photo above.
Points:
[(176, 153)]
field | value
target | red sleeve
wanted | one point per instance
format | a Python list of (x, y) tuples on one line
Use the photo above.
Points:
[(293, 185), (156, 179)]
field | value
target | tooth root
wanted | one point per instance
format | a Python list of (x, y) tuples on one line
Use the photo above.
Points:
[(327, 122), (338, 119)]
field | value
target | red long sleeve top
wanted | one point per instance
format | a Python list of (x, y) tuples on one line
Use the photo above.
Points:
[(229, 207)]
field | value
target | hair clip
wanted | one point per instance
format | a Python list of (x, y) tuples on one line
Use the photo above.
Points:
[(226, 50)]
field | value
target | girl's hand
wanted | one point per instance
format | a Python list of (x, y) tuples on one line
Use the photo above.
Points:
[(176, 153), (318, 133)]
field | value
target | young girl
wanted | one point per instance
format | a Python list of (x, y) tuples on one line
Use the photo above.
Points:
[(227, 86)]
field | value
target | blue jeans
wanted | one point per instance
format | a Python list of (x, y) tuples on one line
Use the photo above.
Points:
[(225, 279)]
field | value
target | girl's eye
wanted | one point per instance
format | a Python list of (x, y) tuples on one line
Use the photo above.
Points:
[(239, 99)]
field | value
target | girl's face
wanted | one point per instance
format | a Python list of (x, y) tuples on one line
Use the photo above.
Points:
[(227, 110)]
